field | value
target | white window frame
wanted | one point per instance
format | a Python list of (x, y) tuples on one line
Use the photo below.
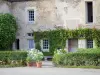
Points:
[(44, 50), (27, 15), (30, 34)]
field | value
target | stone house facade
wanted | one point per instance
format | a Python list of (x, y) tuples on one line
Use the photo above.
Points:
[(34, 15)]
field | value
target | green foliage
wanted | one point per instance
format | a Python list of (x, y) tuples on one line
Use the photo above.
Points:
[(30, 55), (57, 38), (8, 28), (29, 59), (39, 56), (54, 37), (47, 54), (13, 58), (34, 55), (88, 57), (58, 56), (91, 50)]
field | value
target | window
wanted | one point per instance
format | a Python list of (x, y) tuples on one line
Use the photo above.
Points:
[(30, 34), (89, 6), (31, 43), (45, 44), (89, 43), (31, 15)]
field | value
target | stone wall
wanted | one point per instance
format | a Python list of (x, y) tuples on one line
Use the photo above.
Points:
[(5, 7), (73, 13), (45, 18), (50, 14)]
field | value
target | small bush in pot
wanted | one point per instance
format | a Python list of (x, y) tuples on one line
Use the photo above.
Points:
[(34, 56), (31, 61), (38, 57)]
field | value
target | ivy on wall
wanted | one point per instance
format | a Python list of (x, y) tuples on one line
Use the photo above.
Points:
[(57, 38)]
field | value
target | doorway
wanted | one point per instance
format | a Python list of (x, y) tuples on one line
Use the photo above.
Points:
[(72, 45), (17, 44)]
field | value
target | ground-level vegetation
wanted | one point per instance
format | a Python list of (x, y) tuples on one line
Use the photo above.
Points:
[(84, 58), (12, 58)]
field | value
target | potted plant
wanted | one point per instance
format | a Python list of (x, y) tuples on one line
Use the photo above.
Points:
[(30, 58), (29, 61), (38, 57)]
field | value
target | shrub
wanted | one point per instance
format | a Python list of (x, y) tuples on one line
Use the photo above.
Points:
[(47, 53), (91, 50), (30, 55), (58, 56), (89, 57), (8, 29), (34, 55), (13, 58), (39, 56)]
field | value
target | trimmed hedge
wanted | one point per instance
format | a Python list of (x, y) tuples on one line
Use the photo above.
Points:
[(13, 58), (47, 54), (81, 58)]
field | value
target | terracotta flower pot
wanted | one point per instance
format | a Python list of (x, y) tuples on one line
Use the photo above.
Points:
[(34, 64), (39, 64), (30, 64)]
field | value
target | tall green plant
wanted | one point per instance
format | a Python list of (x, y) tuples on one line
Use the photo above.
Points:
[(8, 28)]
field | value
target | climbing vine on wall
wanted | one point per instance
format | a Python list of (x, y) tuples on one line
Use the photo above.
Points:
[(57, 38)]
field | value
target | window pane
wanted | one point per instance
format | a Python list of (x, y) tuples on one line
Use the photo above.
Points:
[(30, 34), (31, 44), (31, 15), (89, 43), (45, 44)]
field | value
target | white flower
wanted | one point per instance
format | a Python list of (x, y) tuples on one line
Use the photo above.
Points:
[(35, 55)]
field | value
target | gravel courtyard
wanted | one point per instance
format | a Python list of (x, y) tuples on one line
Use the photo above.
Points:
[(48, 69)]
